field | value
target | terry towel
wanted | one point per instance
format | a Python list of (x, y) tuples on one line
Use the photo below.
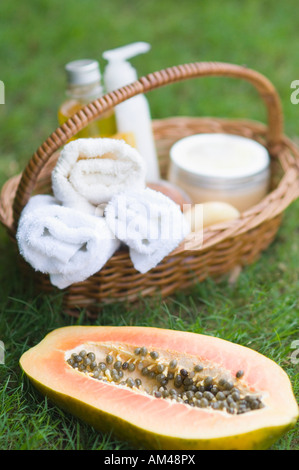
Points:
[(66, 244), (90, 171), (149, 223)]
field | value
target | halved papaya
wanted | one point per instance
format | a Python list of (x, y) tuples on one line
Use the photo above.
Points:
[(164, 389)]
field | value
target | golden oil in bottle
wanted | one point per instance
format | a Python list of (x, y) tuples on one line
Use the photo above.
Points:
[(83, 86)]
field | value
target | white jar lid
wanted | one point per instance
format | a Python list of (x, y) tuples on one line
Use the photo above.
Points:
[(219, 156)]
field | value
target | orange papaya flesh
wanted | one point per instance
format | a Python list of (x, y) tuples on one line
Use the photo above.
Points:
[(142, 413)]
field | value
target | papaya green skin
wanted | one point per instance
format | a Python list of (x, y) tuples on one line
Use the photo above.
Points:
[(260, 439)]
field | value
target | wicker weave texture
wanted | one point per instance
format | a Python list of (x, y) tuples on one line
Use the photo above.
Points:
[(224, 246)]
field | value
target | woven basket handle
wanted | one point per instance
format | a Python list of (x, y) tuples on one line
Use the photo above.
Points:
[(144, 84)]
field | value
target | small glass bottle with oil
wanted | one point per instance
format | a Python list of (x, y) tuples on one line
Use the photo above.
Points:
[(83, 86)]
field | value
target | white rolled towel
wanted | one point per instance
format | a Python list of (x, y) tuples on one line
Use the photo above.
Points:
[(149, 223), (65, 243), (90, 171)]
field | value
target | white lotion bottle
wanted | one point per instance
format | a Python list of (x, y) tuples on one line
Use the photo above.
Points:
[(133, 115)]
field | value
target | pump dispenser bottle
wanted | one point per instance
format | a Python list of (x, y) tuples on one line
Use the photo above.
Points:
[(83, 86), (133, 115)]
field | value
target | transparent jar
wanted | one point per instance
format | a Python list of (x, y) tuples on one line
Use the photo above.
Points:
[(221, 167), (83, 86)]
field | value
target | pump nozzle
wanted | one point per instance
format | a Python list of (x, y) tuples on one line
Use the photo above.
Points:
[(119, 71), (126, 52)]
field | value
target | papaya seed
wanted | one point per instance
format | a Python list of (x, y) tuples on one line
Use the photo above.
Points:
[(184, 372), (117, 365), (220, 396), (114, 375), (185, 386), (239, 374), (178, 380), (160, 377), (208, 381), (203, 403), (173, 363), (109, 359), (236, 395), (143, 351), (154, 354), (187, 381), (229, 385), (160, 368), (216, 405), (90, 355), (214, 389), (208, 395), (130, 382), (145, 371), (230, 400), (138, 382), (221, 382)]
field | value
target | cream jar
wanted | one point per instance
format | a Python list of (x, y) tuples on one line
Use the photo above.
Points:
[(221, 167)]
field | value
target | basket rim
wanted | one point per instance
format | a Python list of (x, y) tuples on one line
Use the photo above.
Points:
[(272, 205), (158, 79)]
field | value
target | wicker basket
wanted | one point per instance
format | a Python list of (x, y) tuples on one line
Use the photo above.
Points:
[(224, 246)]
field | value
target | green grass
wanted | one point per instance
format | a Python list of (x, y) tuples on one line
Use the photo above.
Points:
[(261, 310)]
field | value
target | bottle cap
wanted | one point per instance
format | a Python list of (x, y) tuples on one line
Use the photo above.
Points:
[(83, 72)]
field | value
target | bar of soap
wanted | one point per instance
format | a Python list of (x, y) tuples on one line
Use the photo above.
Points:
[(210, 213)]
